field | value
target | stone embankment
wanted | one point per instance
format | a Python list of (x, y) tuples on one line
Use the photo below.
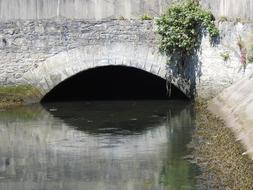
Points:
[(235, 106)]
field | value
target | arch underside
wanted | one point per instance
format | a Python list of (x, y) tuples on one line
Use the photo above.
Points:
[(67, 64), (113, 83)]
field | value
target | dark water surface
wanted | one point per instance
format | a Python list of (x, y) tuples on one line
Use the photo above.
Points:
[(113, 145)]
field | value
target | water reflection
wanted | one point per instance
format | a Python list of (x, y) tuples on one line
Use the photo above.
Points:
[(96, 146)]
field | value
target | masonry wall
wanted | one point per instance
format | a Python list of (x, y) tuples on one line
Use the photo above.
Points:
[(25, 45)]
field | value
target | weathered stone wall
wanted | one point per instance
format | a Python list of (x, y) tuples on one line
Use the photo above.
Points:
[(43, 42), (216, 74), (108, 9), (24, 45), (45, 52)]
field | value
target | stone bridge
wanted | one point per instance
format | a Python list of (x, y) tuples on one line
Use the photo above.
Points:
[(43, 47), (66, 64), (44, 53)]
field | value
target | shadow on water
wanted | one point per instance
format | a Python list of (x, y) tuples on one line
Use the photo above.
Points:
[(97, 145), (114, 116)]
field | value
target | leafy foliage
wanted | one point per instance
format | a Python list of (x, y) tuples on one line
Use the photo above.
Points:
[(181, 28)]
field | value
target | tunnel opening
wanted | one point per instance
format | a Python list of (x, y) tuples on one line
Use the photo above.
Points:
[(112, 83)]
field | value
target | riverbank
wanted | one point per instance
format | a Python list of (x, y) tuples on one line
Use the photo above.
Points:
[(17, 95), (220, 156)]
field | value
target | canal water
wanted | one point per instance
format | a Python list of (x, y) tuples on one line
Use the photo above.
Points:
[(103, 145)]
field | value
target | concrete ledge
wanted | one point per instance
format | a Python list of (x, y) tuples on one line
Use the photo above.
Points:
[(108, 9)]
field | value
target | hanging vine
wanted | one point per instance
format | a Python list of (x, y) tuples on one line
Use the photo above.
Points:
[(181, 29)]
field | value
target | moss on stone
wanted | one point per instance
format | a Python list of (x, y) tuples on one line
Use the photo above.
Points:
[(219, 155), (17, 95)]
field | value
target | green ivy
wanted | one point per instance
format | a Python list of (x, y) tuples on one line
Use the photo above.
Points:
[(225, 56), (181, 28)]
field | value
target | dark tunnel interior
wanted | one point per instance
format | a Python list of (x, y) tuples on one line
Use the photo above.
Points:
[(112, 83)]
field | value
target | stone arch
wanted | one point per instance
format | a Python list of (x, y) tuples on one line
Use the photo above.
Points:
[(68, 63)]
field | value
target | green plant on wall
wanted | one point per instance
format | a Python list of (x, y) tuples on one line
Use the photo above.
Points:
[(121, 18), (238, 19), (245, 50), (225, 56), (182, 26), (223, 19), (146, 17)]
